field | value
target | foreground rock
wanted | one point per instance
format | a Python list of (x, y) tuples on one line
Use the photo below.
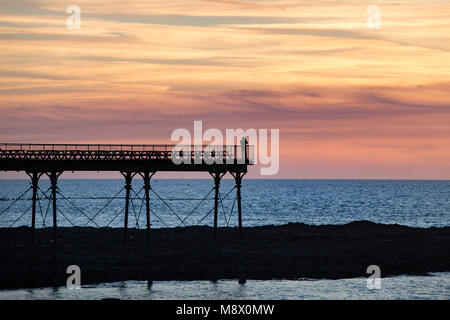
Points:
[(286, 252)]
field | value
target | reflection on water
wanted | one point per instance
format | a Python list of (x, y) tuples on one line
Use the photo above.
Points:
[(435, 286)]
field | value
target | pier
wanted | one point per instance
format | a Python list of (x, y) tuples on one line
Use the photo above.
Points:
[(130, 160)]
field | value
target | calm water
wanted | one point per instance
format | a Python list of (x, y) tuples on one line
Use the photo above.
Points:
[(413, 203), (435, 286)]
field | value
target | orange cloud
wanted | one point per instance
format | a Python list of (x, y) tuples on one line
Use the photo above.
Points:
[(349, 102)]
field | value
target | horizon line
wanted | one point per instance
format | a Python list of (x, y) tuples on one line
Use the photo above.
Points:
[(230, 178)]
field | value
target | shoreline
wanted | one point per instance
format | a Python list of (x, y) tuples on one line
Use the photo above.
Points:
[(291, 251)]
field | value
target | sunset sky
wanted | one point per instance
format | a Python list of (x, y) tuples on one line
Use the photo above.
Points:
[(349, 102)]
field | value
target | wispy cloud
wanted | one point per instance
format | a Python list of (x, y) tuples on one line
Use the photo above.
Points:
[(341, 94)]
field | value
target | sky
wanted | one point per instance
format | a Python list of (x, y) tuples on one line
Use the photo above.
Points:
[(350, 102)]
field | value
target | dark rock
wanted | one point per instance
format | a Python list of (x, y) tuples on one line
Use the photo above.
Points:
[(291, 251)]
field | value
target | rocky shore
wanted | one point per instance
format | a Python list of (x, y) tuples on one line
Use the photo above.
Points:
[(290, 251)]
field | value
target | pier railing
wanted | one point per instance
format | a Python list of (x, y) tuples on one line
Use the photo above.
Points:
[(30, 151)]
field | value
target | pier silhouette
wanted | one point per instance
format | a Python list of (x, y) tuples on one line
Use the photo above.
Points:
[(131, 161)]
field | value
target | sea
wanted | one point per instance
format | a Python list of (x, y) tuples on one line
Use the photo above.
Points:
[(187, 202)]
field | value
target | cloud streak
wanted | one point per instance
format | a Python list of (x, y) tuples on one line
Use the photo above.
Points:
[(343, 96)]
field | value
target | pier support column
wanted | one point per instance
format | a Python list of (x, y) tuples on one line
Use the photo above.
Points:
[(216, 176), (238, 179), (34, 183), (128, 178), (53, 181), (147, 176)]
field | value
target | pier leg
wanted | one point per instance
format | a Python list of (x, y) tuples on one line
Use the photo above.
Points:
[(34, 182), (128, 178), (238, 178), (147, 176), (53, 180), (216, 176)]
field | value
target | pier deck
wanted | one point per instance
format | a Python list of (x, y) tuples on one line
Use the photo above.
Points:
[(136, 158)]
